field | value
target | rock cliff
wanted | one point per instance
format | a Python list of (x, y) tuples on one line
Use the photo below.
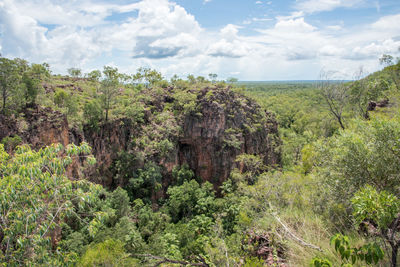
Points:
[(37, 126), (219, 126), (229, 125)]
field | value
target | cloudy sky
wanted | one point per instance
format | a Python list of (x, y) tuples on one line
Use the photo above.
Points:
[(247, 39)]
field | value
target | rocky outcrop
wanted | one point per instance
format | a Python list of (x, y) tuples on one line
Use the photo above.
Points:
[(37, 126), (208, 138), (265, 246), (228, 125), (106, 142)]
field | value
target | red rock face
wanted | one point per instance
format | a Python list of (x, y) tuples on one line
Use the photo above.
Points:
[(39, 127), (229, 125), (224, 125)]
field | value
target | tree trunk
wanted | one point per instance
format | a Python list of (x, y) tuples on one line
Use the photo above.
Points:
[(340, 122), (4, 103), (394, 254)]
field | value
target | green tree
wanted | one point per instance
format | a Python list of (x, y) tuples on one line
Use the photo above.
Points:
[(75, 72), (190, 199), (10, 143), (9, 80), (232, 80), (191, 79), (109, 89), (110, 253), (92, 112), (392, 68), (213, 77), (32, 80), (147, 76), (200, 79), (94, 75), (386, 59), (370, 253), (367, 154), (382, 209), (35, 198)]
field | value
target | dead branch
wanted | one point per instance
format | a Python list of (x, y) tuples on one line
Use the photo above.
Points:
[(162, 260), (293, 236)]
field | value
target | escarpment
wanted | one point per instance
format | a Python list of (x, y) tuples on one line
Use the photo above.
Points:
[(36, 126), (205, 129), (227, 125)]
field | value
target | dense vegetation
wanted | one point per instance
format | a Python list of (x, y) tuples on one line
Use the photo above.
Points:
[(334, 200)]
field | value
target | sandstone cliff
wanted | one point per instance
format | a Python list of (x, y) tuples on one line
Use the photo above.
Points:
[(219, 126)]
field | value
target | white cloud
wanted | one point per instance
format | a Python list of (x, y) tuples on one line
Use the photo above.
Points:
[(331, 50), (161, 29), (230, 31), (311, 6), (223, 48), (163, 35), (387, 24), (334, 27)]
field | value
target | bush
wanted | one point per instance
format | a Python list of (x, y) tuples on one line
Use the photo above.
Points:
[(10, 143), (108, 253), (92, 112)]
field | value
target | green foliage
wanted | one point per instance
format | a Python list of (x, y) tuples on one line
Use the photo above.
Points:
[(31, 88), (140, 182), (92, 112), (213, 77), (322, 170), (108, 253), (365, 154), (149, 223), (145, 181), (109, 89), (379, 207), (75, 72), (32, 79), (158, 139), (133, 111), (60, 97), (10, 79), (370, 253), (317, 262), (119, 201), (36, 197), (20, 83), (190, 199), (233, 138), (147, 76), (232, 80), (94, 75), (10, 143), (65, 100), (251, 166), (185, 101), (253, 262), (182, 174)]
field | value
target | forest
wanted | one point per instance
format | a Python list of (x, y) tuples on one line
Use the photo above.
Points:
[(113, 169)]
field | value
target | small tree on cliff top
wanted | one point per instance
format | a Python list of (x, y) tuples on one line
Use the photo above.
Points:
[(109, 88)]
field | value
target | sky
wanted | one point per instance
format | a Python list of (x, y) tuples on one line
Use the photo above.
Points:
[(246, 39)]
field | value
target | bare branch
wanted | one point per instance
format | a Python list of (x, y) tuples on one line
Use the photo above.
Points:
[(293, 236), (162, 260)]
